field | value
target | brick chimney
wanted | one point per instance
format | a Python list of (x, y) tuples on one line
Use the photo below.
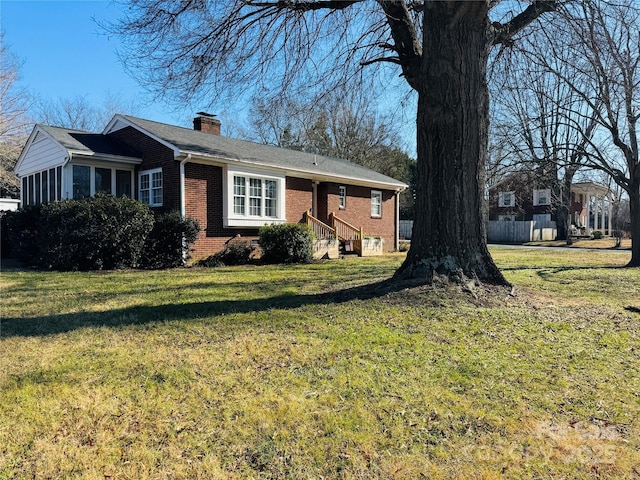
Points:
[(207, 123)]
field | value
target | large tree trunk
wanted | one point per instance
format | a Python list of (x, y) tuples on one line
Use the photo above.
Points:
[(449, 232), (634, 210), (563, 218)]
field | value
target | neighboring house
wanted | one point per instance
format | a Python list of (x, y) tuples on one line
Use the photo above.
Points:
[(521, 197), (231, 187), (522, 208)]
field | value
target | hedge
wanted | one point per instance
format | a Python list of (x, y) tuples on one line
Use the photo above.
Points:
[(103, 232)]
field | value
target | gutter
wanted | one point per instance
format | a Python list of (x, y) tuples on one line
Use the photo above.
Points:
[(183, 205), (307, 174)]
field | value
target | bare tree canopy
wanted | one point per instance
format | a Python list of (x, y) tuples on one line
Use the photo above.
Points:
[(79, 113), (601, 50), (542, 125), (187, 48), (343, 124), (13, 120)]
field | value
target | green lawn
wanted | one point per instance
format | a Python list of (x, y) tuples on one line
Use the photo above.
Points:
[(302, 372)]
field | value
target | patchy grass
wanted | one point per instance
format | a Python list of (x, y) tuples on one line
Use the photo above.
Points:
[(600, 243), (299, 372)]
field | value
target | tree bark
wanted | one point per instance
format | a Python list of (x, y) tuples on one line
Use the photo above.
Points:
[(563, 219), (449, 232), (634, 210)]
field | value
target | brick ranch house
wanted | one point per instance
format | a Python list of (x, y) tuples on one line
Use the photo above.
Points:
[(231, 187)]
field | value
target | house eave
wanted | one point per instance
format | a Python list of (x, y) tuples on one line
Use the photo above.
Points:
[(95, 156), (199, 157)]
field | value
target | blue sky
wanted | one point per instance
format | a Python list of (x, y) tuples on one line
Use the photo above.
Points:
[(64, 54)]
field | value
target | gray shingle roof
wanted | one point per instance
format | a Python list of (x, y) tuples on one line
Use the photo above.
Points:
[(87, 143), (205, 144)]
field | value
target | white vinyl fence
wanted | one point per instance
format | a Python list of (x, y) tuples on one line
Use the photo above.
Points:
[(405, 229), (518, 232), (503, 231)]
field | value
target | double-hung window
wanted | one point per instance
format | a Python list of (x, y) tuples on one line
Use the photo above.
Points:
[(542, 196), (506, 199), (342, 203), (150, 187), (239, 195), (270, 198), (254, 200), (255, 197), (376, 203)]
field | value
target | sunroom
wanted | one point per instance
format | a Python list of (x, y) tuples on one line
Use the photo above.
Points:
[(59, 163)]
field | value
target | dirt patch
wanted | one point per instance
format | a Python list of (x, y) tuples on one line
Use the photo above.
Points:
[(442, 294)]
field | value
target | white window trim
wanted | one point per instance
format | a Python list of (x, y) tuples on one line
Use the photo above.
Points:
[(150, 173), (502, 195), (376, 193), (506, 218), (232, 219), (342, 197), (536, 196)]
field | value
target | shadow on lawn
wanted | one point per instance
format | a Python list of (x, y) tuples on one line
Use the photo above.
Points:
[(139, 315)]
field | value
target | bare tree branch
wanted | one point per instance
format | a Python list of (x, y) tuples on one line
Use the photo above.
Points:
[(504, 33)]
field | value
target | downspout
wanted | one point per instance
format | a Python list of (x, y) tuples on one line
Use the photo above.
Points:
[(63, 177), (183, 204), (396, 240)]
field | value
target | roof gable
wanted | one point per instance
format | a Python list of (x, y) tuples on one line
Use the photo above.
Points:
[(39, 152), (51, 146)]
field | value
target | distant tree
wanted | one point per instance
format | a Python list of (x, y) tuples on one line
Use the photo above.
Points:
[(79, 113), (440, 49), (542, 125), (601, 46), (14, 123), (341, 125)]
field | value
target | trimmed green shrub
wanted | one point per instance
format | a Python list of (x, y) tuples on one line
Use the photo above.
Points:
[(236, 252), (103, 232), (20, 234), (597, 235), (286, 243), (169, 242), (97, 233)]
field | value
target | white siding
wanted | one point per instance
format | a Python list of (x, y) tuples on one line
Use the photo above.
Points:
[(43, 153)]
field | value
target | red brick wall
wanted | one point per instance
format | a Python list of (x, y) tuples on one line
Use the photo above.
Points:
[(154, 155), (203, 202), (299, 199), (357, 211)]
